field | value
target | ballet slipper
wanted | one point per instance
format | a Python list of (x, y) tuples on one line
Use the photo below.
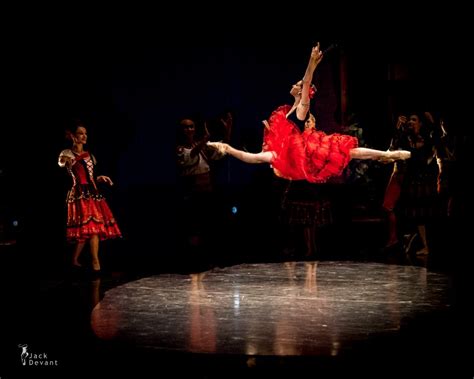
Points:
[(400, 154), (219, 146)]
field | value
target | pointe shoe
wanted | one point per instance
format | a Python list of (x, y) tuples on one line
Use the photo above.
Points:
[(400, 154), (95, 267), (219, 146)]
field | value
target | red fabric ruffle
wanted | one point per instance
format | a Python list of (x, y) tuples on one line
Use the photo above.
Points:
[(89, 216), (310, 155)]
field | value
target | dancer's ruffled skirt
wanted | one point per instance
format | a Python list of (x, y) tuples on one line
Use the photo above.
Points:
[(310, 155), (89, 214)]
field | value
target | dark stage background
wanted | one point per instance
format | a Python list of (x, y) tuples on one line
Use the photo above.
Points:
[(132, 78), (131, 85)]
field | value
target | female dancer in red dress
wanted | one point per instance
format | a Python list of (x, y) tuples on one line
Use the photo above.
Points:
[(308, 155), (89, 216)]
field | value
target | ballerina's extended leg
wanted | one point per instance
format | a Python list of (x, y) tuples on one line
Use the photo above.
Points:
[(365, 153), (254, 158)]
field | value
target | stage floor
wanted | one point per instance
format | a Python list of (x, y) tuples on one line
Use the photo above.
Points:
[(283, 309), (260, 319)]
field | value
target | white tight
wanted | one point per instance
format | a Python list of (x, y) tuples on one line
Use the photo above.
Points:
[(268, 156)]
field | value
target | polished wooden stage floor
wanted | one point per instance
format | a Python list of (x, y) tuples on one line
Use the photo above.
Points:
[(281, 319), (282, 309)]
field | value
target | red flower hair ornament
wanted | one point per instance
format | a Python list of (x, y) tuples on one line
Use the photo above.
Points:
[(312, 91)]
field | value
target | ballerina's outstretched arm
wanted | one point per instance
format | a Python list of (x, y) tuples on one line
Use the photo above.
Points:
[(302, 99)]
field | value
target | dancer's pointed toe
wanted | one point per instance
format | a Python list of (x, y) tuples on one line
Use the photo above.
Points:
[(219, 146)]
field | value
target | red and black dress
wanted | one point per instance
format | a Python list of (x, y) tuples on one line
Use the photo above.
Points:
[(310, 155), (87, 210)]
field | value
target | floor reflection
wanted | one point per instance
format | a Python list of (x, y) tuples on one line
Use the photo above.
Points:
[(283, 309), (202, 334)]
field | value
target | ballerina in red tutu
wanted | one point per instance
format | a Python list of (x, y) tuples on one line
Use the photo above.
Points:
[(310, 154)]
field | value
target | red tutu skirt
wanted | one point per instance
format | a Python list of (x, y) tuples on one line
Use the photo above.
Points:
[(310, 155), (89, 214)]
